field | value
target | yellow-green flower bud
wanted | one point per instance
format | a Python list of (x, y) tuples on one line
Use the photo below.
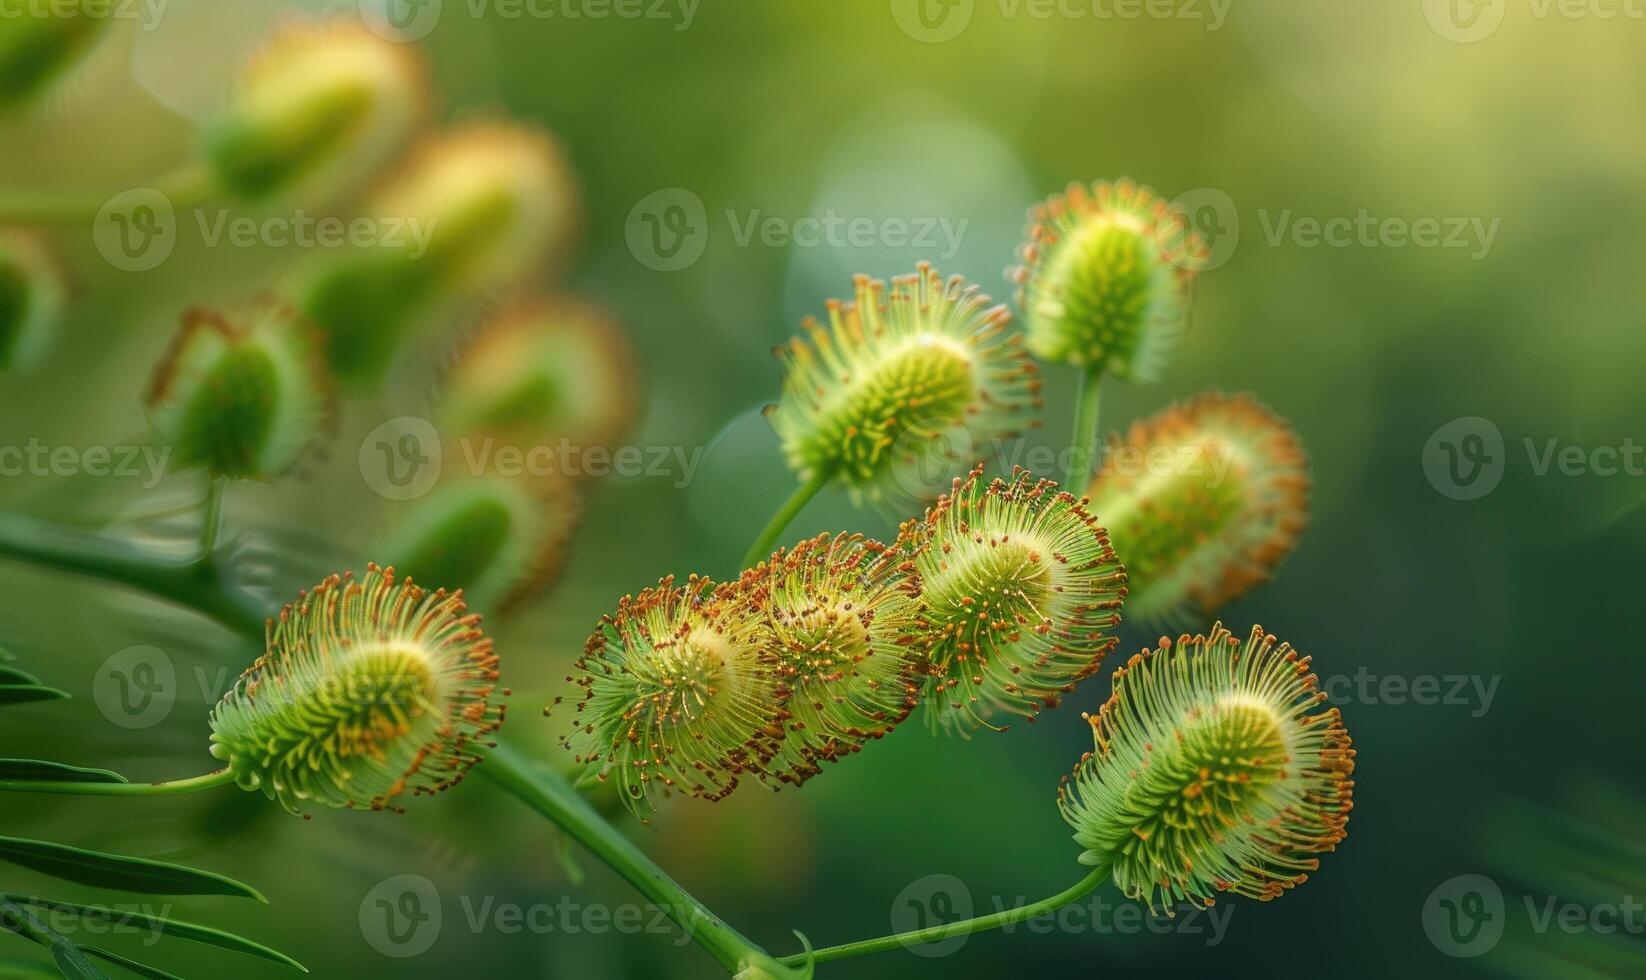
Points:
[(39, 41), (549, 370), (477, 209), (31, 300), (499, 539), (242, 392), (1105, 284), (323, 103), (1203, 500)]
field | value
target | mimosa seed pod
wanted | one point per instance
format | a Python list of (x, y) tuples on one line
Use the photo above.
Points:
[(368, 691), (1213, 772)]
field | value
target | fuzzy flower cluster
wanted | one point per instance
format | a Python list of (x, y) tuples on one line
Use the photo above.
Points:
[(997, 601)]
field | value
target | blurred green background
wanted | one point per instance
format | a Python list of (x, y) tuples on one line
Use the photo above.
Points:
[(1272, 114)]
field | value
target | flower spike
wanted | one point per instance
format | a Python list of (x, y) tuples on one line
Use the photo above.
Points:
[(1020, 597), (368, 690), (892, 374), (1212, 772), (1204, 501), (679, 692), (1105, 283), (841, 609)]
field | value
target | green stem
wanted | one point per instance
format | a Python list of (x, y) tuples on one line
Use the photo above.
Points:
[(551, 795), (1083, 449), (935, 934), (211, 520), (186, 187), (785, 516), (175, 787), (185, 582)]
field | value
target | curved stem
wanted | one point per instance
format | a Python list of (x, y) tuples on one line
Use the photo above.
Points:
[(550, 794), (211, 520), (1074, 893), (187, 583), (175, 787), (1083, 448), (785, 516), (186, 187)]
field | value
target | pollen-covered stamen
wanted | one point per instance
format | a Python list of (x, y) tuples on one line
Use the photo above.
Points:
[(1020, 594), (679, 693), (1106, 278), (841, 611), (895, 369), (368, 690), (1212, 771), (1203, 500)]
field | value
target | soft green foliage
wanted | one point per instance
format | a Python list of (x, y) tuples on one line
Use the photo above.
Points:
[(31, 300)]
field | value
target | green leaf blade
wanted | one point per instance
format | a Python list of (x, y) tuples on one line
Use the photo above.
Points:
[(39, 770), (118, 871), (26, 693), (163, 926)]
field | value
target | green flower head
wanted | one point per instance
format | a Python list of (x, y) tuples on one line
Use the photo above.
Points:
[(1105, 281), (500, 539), (31, 300), (480, 207), (893, 373), (368, 691), (1020, 594), (1212, 772), (841, 612), (322, 102), (1204, 500), (680, 692), (39, 41), (544, 371), (242, 392)]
